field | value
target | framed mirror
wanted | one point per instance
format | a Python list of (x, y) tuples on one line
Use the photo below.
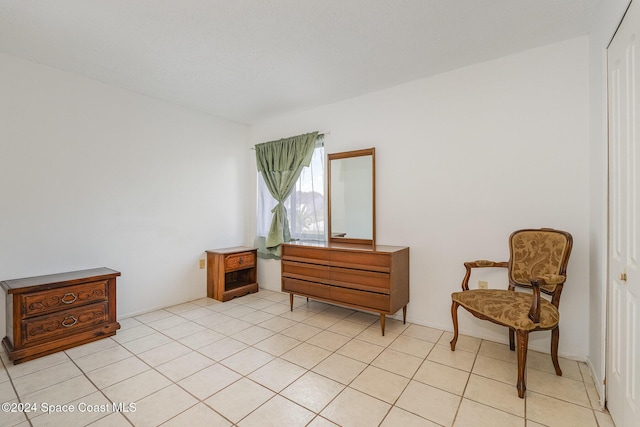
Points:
[(352, 196)]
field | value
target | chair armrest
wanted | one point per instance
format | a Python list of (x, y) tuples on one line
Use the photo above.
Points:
[(481, 263), (534, 311)]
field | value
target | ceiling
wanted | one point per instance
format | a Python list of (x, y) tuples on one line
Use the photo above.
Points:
[(245, 60)]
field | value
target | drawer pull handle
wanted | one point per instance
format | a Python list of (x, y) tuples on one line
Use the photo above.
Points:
[(241, 261), (68, 325), (69, 301)]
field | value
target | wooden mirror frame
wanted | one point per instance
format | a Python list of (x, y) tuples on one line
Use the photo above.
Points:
[(346, 155)]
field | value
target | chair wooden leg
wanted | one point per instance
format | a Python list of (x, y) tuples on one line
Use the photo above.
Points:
[(512, 343), (555, 340), (523, 343), (404, 315), (454, 317)]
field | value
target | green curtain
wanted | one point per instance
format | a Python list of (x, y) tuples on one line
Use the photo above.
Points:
[(280, 163)]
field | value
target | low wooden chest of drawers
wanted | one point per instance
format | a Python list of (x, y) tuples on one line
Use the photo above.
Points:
[(231, 272), (50, 313), (368, 278)]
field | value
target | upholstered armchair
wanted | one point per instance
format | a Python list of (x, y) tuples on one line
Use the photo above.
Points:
[(538, 261)]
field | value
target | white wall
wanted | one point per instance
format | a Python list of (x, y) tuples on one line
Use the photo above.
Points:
[(94, 176), (463, 159), (607, 16)]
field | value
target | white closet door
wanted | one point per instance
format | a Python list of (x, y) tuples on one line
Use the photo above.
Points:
[(623, 372)]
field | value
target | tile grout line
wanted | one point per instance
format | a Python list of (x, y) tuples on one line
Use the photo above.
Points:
[(475, 358), (278, 357), (316, 414), (98, 388), (242, 376), (13, 386), (172, 382), (176, 340)]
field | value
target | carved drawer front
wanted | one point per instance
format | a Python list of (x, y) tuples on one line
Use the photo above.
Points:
[(239, 261), (335, 293), (38, 303), (64, 323)]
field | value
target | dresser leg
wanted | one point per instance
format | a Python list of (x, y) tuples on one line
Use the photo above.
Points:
[(291, 301), (382, 323)]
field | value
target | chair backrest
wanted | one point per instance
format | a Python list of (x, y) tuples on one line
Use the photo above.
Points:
[(537, 252)]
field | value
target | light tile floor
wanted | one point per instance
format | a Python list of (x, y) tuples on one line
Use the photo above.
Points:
[(252, 362)]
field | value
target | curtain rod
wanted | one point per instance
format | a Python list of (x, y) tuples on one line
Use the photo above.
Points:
[(319, 133)]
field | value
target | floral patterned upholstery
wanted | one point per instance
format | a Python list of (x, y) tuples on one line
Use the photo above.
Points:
[(538, 253), (507, 308)]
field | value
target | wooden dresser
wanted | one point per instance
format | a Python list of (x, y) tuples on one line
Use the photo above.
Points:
[(363, 277), (231, 272), (46, 314)]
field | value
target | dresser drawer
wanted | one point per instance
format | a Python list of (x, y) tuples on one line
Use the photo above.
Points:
[(355, 297), (239, 261), (64, 322), (305, 254), (305, 271), (38, 303), (362, 260), (343, 277), (306, 288), (360, 279)]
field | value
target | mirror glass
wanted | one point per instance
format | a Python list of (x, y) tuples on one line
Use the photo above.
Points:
[(352, 196)]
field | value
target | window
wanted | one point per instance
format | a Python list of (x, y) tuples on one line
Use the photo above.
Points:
[(305, 204)]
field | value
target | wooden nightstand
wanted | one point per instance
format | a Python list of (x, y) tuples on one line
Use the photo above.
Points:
[(231, 272)]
